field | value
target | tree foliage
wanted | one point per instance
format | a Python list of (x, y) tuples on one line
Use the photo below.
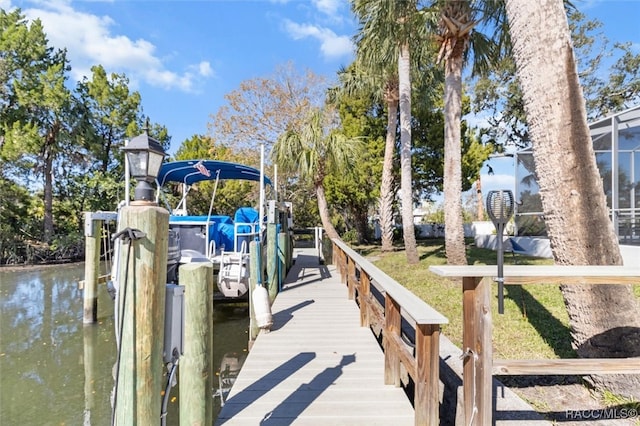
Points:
[(314, 151), (497, 96), (59, 145), (263, 108)]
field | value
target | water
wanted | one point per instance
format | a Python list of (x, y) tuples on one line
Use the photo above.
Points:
[(56, 371)]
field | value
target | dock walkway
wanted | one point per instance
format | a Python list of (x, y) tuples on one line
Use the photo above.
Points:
[(317, 366)]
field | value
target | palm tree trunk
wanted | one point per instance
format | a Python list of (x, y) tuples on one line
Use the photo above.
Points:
[(323, 209), (603, 319), (452, 182), (386, 186), (406, 186)]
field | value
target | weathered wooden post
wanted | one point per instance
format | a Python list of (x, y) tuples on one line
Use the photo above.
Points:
[(364, 296), (141, 294), (392, 324), (92, 237), (255, 266), (477, 350), (196, 368), (89, 361), (272, 260), (427, 380), (283, 249), (351, 279)]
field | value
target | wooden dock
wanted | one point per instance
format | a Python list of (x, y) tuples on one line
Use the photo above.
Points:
[(317, 366)]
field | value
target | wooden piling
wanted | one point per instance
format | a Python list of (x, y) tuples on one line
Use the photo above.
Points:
[(142, 283), (255, 264), (283, 249), (196, 367), (92, 238), (89, 361), (272, 260)]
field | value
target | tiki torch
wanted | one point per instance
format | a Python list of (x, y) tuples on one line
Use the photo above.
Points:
[(500, 209)]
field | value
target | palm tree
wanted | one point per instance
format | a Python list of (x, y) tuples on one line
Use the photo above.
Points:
[(314, 151), (455, 26), (603, 318), (381, 80), (457, 20), (387, 29)]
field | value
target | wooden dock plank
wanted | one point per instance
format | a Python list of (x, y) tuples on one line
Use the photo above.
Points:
[(317, 366)]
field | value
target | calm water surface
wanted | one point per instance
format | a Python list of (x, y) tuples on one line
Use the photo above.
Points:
[(56, 371)]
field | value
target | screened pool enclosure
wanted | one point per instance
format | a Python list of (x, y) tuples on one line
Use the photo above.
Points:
[(616, 141)]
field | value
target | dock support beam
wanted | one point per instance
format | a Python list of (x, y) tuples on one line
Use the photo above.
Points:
[(92, 239), (255, 265), (141, 294), (272, 260), (196, 365), (283, 250)]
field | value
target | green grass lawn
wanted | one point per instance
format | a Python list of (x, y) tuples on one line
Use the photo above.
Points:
[(534, 323)]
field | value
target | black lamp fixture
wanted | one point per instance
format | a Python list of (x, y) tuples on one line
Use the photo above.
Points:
[(500, 209), (145, 156)]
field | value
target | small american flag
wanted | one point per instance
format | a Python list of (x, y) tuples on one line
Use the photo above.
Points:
[(202, 169)]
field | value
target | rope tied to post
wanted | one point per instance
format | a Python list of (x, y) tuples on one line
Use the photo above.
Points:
[(128, 234)]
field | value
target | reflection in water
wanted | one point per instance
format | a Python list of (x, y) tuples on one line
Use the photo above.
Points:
[(54, 370)]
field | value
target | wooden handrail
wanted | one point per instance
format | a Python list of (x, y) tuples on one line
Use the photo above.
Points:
[(415, 307), (479, 365), (422, 362), (573, 367)]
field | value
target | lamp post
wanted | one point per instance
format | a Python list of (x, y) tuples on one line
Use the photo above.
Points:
[(143, 228), (145, 156), (500, 209)]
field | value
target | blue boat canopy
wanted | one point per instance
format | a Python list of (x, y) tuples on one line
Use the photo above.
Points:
[(193, 171)]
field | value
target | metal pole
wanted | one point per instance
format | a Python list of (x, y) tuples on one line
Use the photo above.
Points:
[(500, 278)]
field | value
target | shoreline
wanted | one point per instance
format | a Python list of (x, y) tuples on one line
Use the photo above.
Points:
[(36, 266)]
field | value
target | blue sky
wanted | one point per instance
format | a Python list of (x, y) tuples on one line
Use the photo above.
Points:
[(183, 56)]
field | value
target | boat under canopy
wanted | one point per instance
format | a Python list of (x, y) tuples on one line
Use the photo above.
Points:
[(222, 240)]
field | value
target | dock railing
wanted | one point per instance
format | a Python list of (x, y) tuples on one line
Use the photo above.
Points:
[(479, 366), (385, 305)]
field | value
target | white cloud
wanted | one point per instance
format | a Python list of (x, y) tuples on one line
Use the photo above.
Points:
[(204, 68), (331, 44), (90, 40), (328, 7)]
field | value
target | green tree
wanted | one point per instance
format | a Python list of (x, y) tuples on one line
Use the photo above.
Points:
[(370, 74), (315, 151), (111, 113), (15, 220), (389, 31), (22, 47), (355, 194), (259, 112), (38, 108), (498, 98), (456, 34), (108, 114)]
